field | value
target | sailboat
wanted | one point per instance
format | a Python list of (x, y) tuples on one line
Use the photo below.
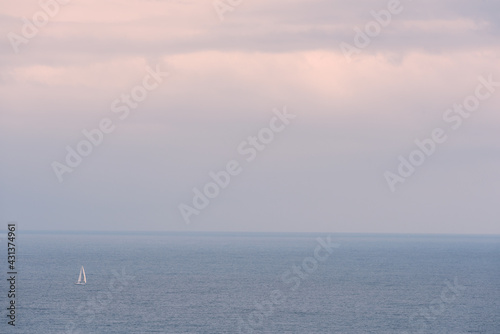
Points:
[(82, 273)]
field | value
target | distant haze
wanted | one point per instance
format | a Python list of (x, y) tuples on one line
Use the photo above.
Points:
[(324, 170)]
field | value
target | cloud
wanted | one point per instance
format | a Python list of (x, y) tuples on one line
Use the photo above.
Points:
[(354, 118)]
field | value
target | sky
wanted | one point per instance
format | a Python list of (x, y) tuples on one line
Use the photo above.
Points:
[(262, 116)]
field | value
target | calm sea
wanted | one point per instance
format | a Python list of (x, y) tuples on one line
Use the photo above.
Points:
[(254, 283)]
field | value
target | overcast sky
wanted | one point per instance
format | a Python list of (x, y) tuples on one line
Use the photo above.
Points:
[(355, 114)]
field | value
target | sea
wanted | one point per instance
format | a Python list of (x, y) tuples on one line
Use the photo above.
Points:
[(252, 283)]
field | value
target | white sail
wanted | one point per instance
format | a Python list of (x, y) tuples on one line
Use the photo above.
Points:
[(84, 277), (82, 271)]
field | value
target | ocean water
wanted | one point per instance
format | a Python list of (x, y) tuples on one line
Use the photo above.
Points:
[(247, 283)]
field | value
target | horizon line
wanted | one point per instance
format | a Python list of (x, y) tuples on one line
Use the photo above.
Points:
[(129, 232)]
